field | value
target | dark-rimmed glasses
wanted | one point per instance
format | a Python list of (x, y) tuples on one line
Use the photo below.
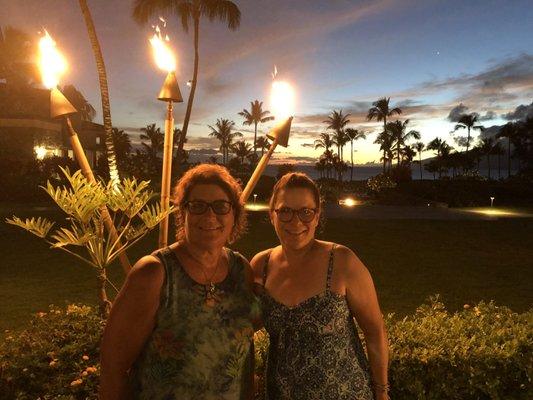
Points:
[(198, 207), (286, 214)]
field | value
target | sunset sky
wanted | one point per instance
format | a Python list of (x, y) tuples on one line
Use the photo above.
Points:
[(428, 56)]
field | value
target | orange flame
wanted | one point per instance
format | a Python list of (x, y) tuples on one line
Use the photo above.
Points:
[(164, 57), (282, 99), (51, 63)]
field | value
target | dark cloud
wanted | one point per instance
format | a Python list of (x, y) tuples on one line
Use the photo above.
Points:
[(489, 115), (456, 112), (312, 145), (520, 113)]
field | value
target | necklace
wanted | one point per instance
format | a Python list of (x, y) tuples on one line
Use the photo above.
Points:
[(210, 285)]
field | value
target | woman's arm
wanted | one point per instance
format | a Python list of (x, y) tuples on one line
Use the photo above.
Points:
[(363, 302), (129, 325)]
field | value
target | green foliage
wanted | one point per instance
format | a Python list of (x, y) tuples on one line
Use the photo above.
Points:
[(482, 352), (55, 357), (380, 183)]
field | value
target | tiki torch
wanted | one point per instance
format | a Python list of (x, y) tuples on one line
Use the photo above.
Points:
[(282, 105), (170, 92), (52, 64)]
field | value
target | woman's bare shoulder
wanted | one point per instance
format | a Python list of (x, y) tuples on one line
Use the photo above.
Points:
[(148, 272), (258, 262)]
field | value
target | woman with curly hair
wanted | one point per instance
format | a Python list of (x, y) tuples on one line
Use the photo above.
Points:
[(182, 325)]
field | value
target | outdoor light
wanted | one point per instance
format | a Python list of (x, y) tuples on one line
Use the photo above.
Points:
[(170, 92), (491, 201), (282, 104), (348, 202), (255, 197), (40, 152), (52, 65)]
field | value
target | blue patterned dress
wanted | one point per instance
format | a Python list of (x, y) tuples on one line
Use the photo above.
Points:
[(315, 352)]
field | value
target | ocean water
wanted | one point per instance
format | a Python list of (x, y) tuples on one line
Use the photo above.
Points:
[(363, 172)]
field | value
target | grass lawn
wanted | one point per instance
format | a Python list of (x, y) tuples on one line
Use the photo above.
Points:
[(463, 260)]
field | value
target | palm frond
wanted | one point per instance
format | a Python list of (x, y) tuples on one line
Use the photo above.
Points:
[(38, 226)]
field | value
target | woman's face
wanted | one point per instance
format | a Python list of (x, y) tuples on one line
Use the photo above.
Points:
[(296, 233), (209, 228)]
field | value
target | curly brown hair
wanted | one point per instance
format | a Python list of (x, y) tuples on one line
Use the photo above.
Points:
[(209, 174)]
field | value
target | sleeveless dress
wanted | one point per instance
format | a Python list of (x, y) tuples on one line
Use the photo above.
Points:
[(202, 345), (315, 352)]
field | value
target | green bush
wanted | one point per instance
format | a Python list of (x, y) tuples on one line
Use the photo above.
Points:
[(56, 357), (482, 352)]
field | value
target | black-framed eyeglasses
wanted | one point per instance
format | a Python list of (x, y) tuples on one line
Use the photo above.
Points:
[(198, 207), (286, 214)]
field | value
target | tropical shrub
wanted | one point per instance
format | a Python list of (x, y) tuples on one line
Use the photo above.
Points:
[(380, 183), (482, 352)]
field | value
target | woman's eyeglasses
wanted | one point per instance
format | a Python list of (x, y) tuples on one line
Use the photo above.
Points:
[(198, 207), (286, 214)]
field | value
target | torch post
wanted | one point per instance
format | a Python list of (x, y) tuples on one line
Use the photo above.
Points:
[(279, 135), (61, 107), (170, 92)]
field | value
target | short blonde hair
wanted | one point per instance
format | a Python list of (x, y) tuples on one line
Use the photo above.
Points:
[(209, 174)]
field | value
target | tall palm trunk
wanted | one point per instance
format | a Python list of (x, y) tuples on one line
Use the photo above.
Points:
[(255, 139), (384, 151), (420, 164), (468, 141), (351, 154), (509, 158), (104, 92), (193, 84)]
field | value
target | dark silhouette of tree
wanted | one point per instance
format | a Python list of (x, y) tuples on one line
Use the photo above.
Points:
[(353, 135), (468, 122), (486, 147), (156, 139), (76, 98), (419, 147), (223, 131), (242, 150), (380, 112), (509, 131), (263, 144), (337, 121), (255, 116), (189, 12), (399, 134)]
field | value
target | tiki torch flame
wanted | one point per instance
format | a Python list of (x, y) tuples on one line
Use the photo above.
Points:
[(281, 99), (164, 57), (51, 63)]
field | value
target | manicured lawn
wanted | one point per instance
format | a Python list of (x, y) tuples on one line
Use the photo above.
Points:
[(463, 260)]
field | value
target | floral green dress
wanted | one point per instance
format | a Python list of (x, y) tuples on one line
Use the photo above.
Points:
[(202, 344)]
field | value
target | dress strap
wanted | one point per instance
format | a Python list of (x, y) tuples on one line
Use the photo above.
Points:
[(265, 267), (330, 268)]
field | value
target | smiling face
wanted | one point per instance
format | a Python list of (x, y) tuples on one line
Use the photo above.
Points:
[(295, 234), (208, 230)]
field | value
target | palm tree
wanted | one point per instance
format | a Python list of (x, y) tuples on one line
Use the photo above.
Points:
[(498, 150), (486, 146), (397, 130), (156, 138), (352, 135), (380, 111), (223, 131), (104, 92), (320, 166), (324, 142), (122, 144), (263, 144), (509, 131), (327, 158), (419, 147), (255, 116), (84, 108), (337, 121), (385, 140), (468, 121), (190, 11), (242, 150), (442, 151), (16, 51)]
